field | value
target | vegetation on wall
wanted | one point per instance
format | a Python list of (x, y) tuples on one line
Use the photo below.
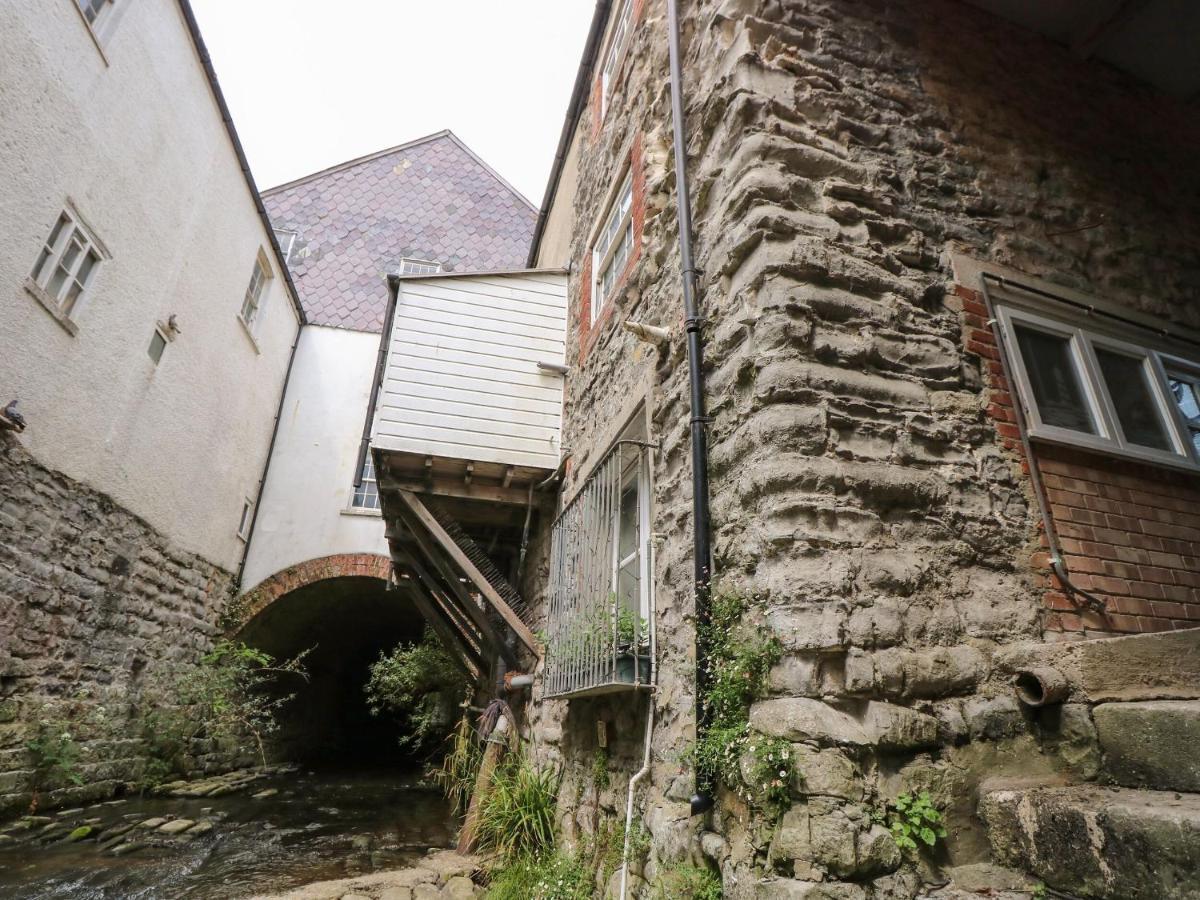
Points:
[(421, 685), (231, 698), (911, 819), (738, 658), (686, 882), (516, 821), (460, 765)]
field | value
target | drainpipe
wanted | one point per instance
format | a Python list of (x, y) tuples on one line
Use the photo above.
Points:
[(385, 339), (702, 546), (262, 482), (1057, 564)]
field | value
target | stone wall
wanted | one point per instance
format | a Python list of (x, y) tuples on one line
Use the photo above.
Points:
[(861, 491), (94, 603)]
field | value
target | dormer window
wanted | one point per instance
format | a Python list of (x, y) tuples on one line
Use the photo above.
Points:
[(411, 266)]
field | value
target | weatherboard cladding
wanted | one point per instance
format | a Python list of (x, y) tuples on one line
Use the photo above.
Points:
[(431, 199)]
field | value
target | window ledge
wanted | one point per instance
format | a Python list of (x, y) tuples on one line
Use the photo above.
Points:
[(249, 333), (369, 513), (1100, 447), (47, 303)]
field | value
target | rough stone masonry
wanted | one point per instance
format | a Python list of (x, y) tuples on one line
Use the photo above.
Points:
[(861, 488), (94, 603)]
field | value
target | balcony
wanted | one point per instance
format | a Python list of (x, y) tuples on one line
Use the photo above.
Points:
[(598, 634)]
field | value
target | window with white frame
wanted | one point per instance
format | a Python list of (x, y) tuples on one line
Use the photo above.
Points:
[(66, 266), (252, 302), (618, 43), (94, 11), (613, 246), (1104, 389), (246, 520), (366, 495), (286, 240), (411, 266)]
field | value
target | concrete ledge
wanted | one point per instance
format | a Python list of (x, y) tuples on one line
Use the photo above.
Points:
[(1153, 744)]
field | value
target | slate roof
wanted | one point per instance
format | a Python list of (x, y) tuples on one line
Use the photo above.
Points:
[(432, 199)]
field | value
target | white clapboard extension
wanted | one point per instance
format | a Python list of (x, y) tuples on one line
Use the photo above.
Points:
[(462, 380)]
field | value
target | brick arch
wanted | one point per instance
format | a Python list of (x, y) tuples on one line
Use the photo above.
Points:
[(340, 565)]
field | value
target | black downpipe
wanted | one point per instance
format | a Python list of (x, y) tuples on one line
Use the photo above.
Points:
[(702, 542), (385, 339), (262, 482)]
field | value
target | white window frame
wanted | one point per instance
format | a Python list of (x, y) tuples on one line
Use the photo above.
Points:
[(364, 499), (1183, 370), (255, 306), (1084, 339), (619, 216), (246, 520), (619, 39), (410, 265), (286, 240), (68, 229)]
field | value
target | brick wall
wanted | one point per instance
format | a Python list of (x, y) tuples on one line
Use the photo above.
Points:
[(1129, 532)]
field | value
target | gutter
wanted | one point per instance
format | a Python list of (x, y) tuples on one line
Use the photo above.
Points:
[(579, 97), (189, 18), (385, 340), (262, 482)]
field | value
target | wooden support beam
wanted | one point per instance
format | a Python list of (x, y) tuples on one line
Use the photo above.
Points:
[(457, 617), (1104, 19), (448, 487), (443, 563), (461, 652), (460, 559)]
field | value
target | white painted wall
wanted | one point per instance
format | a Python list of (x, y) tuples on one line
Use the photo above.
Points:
[(127, 130), (306, 502), (462, 379)]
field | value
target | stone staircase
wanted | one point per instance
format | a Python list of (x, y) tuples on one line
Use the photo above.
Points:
[(1133, 833)]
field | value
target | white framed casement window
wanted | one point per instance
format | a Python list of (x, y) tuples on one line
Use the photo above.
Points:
[(95, 12), (618, 43), (612, 246), (247, 518), (1102, 389), (631, 557), (366, 495), (411, 266), (65, 269), (252, 301)]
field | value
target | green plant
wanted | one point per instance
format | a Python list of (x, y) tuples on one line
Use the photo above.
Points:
[(631, 630), (552, 876), (737, 661), (232, 695), (460, 765), (911, 819), (517, 818), (687, 882), (421, 685), (600, 769), (54, 754)]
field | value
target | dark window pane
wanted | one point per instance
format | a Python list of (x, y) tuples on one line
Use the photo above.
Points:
[(1054, 380), (1129, 387), (157, 345)]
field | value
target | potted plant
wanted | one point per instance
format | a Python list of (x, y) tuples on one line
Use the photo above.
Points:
[(633, 646)]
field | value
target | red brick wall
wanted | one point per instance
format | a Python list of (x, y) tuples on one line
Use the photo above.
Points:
[(1129, 532)]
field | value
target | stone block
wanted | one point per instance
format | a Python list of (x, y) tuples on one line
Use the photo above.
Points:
[(1153, 744), (789, 889), (883, 725), (1099, 842), (825, 773)]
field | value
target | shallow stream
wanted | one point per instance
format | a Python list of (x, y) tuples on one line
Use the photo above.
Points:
[(316, 825)]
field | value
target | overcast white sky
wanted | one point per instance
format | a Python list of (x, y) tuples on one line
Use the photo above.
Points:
[(312, 83)]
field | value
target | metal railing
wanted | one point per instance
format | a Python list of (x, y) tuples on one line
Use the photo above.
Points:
[(597, 633)]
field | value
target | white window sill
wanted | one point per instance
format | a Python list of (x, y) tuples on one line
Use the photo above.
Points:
[(357, 511), (249, 334), (47, 303)]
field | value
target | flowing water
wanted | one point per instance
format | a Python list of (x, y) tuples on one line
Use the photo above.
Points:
[(318, 825)]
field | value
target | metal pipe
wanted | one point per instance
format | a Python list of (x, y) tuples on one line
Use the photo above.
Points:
[(641, 773), (1057, 564), (1042, 686), (701, 538), (393, 283), (262, 482), (525, 535)]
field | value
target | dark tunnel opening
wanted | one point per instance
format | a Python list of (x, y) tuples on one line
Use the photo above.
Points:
[(345, 623)]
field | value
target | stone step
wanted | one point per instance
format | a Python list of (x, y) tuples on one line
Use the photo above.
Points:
[(1099, 842), (1153, 744)]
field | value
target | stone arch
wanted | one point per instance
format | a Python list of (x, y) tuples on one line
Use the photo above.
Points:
[(340, 565)]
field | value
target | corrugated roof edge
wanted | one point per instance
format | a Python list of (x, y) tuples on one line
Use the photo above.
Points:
[(359, 160), (579, 93), (193, 27)]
